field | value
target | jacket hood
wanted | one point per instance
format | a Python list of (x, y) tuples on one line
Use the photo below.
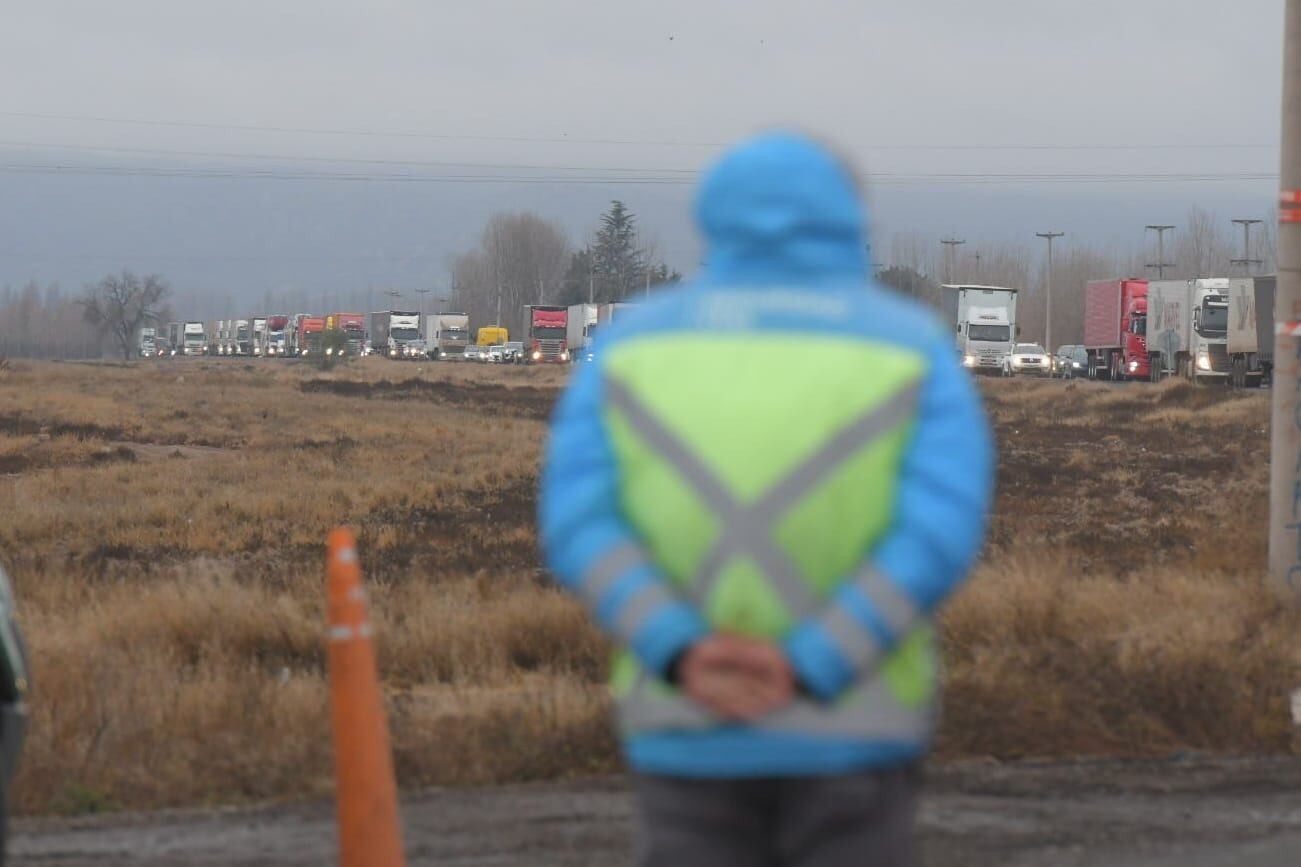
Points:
[(779, 208)]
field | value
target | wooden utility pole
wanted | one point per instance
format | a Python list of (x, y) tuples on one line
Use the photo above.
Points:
[(950, 250), (1048, 291), (1285, 437)]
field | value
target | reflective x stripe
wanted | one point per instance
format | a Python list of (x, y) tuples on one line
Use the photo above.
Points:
[(749, 528), (608, 568), (896, 609), (857, 644), (644, 602)]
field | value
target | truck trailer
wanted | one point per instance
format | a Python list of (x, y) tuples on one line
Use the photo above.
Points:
[(1251, 331), (585, 321), (548, 334), (1187, 325), (1115, 329), (984, 324), (447, 335)]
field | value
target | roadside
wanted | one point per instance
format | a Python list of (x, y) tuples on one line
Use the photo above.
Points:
[(1150, 813)]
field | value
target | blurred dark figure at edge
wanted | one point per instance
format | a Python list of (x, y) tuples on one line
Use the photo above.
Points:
[(14, 685), (763, 488)]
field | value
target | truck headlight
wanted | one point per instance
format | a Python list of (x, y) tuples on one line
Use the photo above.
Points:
[(564, 356), (968, 361), (537, 356), (1133, 366), (1203, 361), (393, 353)]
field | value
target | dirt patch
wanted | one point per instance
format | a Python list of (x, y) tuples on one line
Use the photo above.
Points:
[(523, 401), (168, 451), (12, 423)]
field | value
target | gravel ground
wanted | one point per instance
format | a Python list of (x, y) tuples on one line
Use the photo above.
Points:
[(1190, 810)]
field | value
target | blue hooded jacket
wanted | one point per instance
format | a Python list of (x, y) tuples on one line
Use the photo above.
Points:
[(782, 219)]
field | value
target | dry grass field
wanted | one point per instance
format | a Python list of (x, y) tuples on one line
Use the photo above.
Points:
[(164, 526)]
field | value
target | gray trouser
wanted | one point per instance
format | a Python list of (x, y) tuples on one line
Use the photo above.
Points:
[(854, 820)]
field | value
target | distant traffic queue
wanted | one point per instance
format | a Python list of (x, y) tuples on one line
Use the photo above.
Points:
[(554, 335)]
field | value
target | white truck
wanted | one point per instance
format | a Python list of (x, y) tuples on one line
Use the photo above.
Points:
[(275, 337), (396, 334), (148, 342), (585, 321), (257, 335), (447, 335), (1187, 325), (194, 339), (1251, 331), (218, 331), (241, 338), (984, 324)]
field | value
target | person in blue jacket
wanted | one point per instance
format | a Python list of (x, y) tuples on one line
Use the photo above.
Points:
[(763, 487)]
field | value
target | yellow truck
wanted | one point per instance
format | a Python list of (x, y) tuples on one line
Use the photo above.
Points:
[(492, 335)]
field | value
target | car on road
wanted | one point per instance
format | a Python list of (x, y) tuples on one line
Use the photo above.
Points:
[(476, 353), (514, 353), (1027, 359), (497, 354), (1071, 361)]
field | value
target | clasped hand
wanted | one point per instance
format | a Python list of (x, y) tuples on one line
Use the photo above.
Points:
[(737, 678)]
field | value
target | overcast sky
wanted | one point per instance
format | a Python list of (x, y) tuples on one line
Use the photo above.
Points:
[(604, 90)]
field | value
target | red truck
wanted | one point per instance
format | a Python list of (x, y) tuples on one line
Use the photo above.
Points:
[(308, 336), (548, 335), (353, 326), (1115, 329)]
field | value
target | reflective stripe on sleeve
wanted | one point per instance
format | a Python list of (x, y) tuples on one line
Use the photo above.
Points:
[(608, 569)]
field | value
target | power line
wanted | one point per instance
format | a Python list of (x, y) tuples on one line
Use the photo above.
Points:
[(345, 160), (402, 134), (879, 179)]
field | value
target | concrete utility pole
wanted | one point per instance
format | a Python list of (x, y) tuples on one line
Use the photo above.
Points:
[(1285, 436), (950, 250), (1048, 291), (1160, 264), (591, 286), (1246, 261), (422, 293)]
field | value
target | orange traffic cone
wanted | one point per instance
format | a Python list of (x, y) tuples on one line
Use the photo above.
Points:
[(370, 833)]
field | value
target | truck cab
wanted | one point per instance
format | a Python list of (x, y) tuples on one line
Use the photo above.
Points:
[(195, 339), (548, 336), (1187, 328), (275, 340), (1210, 350), (984, 324), (148, 343)]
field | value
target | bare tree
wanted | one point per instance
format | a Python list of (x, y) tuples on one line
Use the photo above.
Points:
[(119, 305), (521, 259), (1203, 248)]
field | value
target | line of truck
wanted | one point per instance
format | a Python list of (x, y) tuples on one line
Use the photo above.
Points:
[(554, 335), (1209, 329)]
